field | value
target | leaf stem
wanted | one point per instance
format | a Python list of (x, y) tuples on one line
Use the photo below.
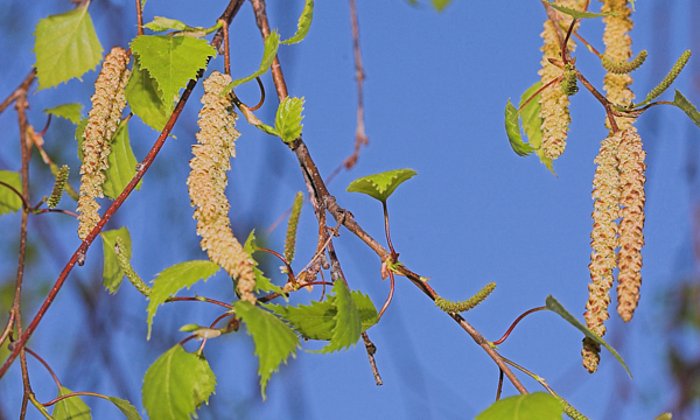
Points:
[(387, 232), (515, 323)]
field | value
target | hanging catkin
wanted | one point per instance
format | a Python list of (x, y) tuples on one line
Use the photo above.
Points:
[(604, 241), (207, 184), (631, 157), (554, 102), (618, 48), (108, 103)]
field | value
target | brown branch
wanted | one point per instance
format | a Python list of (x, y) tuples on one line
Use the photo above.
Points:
[(139, 18), (23, 87), (319, 193), (79, 254)]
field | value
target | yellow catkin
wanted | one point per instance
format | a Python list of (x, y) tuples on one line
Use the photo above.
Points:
[(632, 168), (618, 47), (554, 102), (604, 241), (108, 103), (207, 184)]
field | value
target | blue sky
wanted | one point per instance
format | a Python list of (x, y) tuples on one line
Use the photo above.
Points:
[(435, 92)]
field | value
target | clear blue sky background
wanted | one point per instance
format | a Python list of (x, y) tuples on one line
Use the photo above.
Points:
[(435, 92)]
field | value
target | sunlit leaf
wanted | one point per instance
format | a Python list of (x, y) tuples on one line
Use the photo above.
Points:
[(126, 408), (578, 14), (535, 406), (72, 408), (122, 163), (72, 112), (288, 119), (274, 340), (112, 275), (348, 325), (144, 99), (304, 23), (681, 102), (172, 279), (262, 283), (553, 305), (162, 24), (272, 43), (381, 185), (10, 202), (66, 46), (176, 384), (513, 131)]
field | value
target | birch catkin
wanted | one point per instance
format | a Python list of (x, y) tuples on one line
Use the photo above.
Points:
[(632, 168), (618, 48), (554, 102), (604, 241), (207, 184), (108, 103)]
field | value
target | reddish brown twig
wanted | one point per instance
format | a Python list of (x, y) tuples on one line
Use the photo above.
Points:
[(387, 302), (139, 18), (360, 133), (515, 323), (198, 299), (46, 365)]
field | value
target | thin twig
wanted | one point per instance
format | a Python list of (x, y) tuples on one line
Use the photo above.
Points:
[(23, 87), (46, 365), (515, 323), (139, 18), (198, 299), (360, 134), (371, 350), (79, 254), (392, 286), (499, 388)]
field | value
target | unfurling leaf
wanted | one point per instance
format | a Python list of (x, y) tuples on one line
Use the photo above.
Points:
[(578, 14), (66, 46), (176, 384), (162, 24), (272, 43), (112, 273), (513, 131), (172, 279), (553, 305), (533, 406), (303, 25), (171, 61), (681, 102), (274, 340), (381, 185), (72, 408), (72, 112), (10, 202), (288, 119)]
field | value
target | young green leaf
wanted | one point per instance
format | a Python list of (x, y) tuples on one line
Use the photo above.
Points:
[(272, 43), (71, 112), (274, 340), (172, 279), (10, 202), (513, 131), (578, 14), (288, 119), (440, 5), (681, 102), (262, 283), (66, 46), (532, 122), (553, 305), (72, 408), (171, 61), (381, 185), (317, 320), (303, 25), (122, 163), (537, 405), (111, 273), (162, 24), (348, 325), (144, 99), (126, 408), (176, 384)]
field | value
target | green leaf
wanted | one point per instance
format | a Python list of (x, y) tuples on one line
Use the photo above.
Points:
[(681, 102), (348, 326), (172, 279), (440, 5), (144, 99), (530, 115), (10, 202), (111, 273), (176, 384), (262, 283), (381, 185), (288, 119), (71, 112), (161, 24), (303, 25), (126, 408), (122, 163), (66, 46), (535, 406), (317, 321), (171, 61), (513, 131), (274, 340), (578, 14), (72, 408), (272, 43), (553, 305)]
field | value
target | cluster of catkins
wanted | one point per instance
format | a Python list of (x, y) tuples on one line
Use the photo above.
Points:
[(618, 196), (207, 184)]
